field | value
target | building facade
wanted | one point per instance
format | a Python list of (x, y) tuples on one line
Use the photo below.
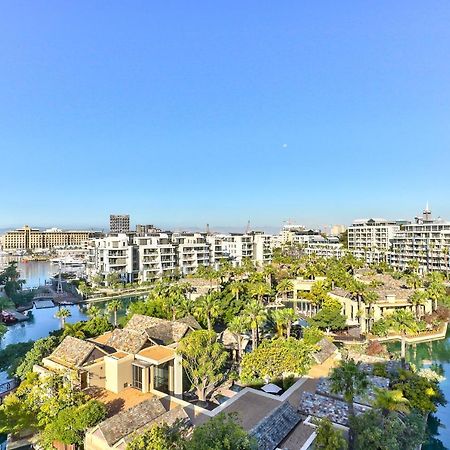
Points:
[(368, 235), (426, 241), (119, 223), (28, 238)]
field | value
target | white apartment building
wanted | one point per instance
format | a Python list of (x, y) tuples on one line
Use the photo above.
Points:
[(112, 254), (324, 247), (157, 256), (426, 240), (192, 251), (368, 235)]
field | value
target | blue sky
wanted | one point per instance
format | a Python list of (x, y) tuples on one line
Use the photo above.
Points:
[(182, 113)]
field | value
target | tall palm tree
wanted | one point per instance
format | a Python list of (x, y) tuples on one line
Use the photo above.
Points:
[(93, 312), (259, 290), (238, 326), (369, 299), (404, 322), (285, 286), (207, 308), (413, 280), (289, 317), (113, 306), (389, 401), (348, 380), (280, 321), (62, 314), (236, 288), (417, 300), (256, 315)]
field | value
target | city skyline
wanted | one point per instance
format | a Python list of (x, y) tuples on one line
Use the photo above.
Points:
[(223, 113)]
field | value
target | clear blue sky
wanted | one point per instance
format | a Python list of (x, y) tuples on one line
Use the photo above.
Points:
[(182, 113)]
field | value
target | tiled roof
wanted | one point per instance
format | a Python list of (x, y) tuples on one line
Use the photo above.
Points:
[(228, 339), (127, 340), (131, 420), (326, 349), (72, 351), (270, 431)]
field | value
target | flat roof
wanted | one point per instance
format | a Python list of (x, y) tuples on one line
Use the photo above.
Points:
[(118, 355), (157, 354)]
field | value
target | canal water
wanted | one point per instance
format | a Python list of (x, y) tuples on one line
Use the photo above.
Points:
[(435, 355), (43, 321)]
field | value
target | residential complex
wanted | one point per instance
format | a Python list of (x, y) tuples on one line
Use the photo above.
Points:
[(119, 223), (28, 238), (426, 240)]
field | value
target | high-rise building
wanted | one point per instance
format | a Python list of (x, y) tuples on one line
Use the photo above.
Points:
[(426, 241), (119, 223)]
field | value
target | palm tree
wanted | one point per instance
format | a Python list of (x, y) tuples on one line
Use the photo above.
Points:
[(238, 326), (62, 314), (389, 401), (280, 321), (93, 312), (404, 322), (285, 286), (369, 298), (413, 280), (74, 329), (236, 288), (113, 306), (207, 308), (435, 287), (259, 290), (349, 381), (417, 300), (255, 314)]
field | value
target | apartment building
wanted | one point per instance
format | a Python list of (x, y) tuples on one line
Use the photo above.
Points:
[(324, 247), (193, 251), (426, 240), (111, 254), (28, 238), (157, 256), (371, 235), (119, 223)]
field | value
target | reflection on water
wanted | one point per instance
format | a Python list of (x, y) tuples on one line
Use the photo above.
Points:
[(34, 273), (437, 356)]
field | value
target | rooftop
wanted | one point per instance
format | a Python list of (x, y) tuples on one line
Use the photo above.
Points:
[(72, 352), (158, 354)]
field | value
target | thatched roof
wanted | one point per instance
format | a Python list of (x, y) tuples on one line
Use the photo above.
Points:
[(271, 430), (127, 340), (126, 422), (140, 323), (169, 418), (228, 339), (72, 351), (326, 349), (191, 321), (167, 333)]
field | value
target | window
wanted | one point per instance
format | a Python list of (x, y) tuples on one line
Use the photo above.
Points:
[(137, 377)]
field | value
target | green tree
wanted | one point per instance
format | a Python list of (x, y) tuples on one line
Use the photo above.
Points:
[(62, 314), (238, 326), (41, 349), (113, 279), (275, 358), (348, 380), (160, 437), (283, 319), (256, 315), (259, 290), (207, 308), (222, 432), (12, 356), (312, 335), (93, 312), (329, 317), (236, 288), (327, 437), (113, 306), (203, 360), (417, 300), (389, 401), (70, 424), (3, 330), (285, 286)]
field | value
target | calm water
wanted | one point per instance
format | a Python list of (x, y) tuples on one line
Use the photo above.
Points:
[(34, 273), (436, 354), (43, 321)]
